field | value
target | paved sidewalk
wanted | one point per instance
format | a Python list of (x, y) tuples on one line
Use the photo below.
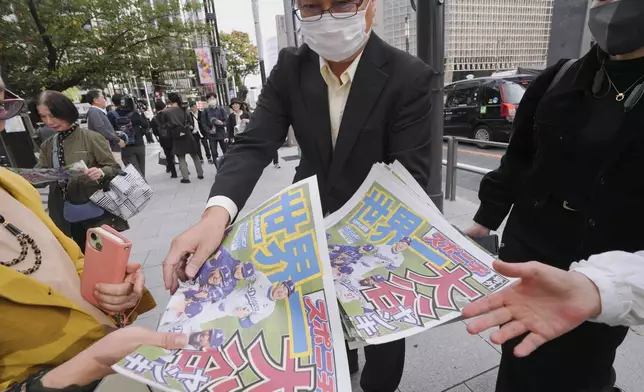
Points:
[(443, 359)]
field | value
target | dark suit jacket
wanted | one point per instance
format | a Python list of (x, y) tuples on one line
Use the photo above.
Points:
[(386, 118)]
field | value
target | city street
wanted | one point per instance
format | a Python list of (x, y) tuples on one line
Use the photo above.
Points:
[(444, 359)]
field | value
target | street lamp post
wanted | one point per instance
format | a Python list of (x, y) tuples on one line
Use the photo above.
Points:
[(290, 23), (430, 25), (260, 40), (215, 47), (407, 33)]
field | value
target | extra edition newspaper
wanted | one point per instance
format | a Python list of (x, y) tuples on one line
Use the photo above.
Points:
[(262, 314), (399, 267)]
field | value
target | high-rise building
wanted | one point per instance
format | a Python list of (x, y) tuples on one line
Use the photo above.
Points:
[(481, 36)]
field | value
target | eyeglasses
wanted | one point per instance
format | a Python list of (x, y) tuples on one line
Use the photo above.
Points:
[(339, 10)]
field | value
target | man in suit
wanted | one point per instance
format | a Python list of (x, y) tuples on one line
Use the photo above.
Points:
[(98, 121), (199, 131), (353, 101)]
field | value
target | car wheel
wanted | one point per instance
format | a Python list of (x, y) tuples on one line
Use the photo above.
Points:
[(483, 133)]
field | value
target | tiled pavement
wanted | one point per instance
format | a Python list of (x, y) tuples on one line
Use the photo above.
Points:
[(443, 359)]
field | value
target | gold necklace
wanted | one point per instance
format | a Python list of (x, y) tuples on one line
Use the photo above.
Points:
[(621, 96)]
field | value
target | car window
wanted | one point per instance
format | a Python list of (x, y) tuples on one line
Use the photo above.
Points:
[(512, 93), (462, 96), (491, 94)]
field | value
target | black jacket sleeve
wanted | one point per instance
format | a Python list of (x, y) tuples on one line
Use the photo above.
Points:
[(497, 190), (410, 138), (253, 150), (230, 125)]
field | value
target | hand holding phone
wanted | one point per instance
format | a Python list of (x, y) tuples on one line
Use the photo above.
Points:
[(106, 256)]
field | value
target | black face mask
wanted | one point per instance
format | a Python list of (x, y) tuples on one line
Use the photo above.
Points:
[(618, 27)]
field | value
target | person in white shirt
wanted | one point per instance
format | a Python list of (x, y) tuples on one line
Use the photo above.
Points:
[(548, 302), (352, 101)]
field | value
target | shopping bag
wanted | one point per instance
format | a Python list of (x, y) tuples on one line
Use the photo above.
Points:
[(163, 161), (127, 194)]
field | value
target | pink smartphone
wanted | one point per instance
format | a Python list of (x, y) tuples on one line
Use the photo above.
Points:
[(106, 255)]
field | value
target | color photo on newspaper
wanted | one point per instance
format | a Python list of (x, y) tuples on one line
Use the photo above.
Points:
[(399, 267), (262, 315)]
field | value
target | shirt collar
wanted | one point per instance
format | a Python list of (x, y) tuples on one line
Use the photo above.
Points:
[(102, 110), (347, 76)]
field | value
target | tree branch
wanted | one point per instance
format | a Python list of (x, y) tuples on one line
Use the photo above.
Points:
[(52, 56)]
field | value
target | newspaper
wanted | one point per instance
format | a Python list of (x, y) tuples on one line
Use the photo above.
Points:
[(261, 315), (44, 176), (399, 267)]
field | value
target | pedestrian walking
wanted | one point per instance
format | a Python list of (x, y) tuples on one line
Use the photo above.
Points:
[(387, 96), (178, 122), (214, 119), (131, 126), (69, 204), (165, 139), (98, 121), (571, 184), (200, 131)]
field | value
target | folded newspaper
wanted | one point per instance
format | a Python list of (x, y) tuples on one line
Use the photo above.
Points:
[(399, 267), (262, 315), (267, 312)]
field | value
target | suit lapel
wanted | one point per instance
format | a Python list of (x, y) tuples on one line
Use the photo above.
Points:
[(316, 100), (366, 87)]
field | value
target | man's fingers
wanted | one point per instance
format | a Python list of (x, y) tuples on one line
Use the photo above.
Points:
[(484, 305), (173, 258), (168, 340), (495, 318), (198, 259), (512, 270), (508, 331), (531, 342)]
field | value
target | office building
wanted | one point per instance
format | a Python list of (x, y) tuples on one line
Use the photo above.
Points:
[(481, 36)]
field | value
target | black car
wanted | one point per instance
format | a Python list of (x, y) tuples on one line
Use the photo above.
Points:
[(482, 108)]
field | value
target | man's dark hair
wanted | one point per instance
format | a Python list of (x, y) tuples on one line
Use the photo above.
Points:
[(59, 105), (210, 95), (175, 98), (116, 99), (159, 105), (92, 95), (192, 103)]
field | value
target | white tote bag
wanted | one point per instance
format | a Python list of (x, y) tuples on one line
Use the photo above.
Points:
[(128, 194)]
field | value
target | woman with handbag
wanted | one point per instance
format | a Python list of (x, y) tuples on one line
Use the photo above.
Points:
[(69, 201)]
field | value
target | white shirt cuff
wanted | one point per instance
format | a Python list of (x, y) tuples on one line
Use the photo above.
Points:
[(615, 294), (225, 202)]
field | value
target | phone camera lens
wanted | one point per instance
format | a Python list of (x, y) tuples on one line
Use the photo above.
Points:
[(99, 246), (93, 236)]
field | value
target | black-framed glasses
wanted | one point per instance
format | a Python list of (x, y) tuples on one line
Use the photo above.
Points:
[(342, 9)]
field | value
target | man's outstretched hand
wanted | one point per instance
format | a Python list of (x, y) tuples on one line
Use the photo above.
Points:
[(190, 250), (545, 303)]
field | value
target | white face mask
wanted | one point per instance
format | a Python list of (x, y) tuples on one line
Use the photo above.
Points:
[(336, 39), (212, 103)]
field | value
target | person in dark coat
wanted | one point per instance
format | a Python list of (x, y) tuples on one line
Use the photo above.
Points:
[(238, 118), (176, 121), (165, 139), (571, 184), (200, 131), (214, 119), (133, 154)]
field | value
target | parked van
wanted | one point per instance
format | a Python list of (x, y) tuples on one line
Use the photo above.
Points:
[(482, 108)]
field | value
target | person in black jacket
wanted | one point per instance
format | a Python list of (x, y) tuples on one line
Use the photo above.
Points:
[(165, 139), (200, 131), (384, 94), (572, 180), (177, 122), (238, 118), (134, 152), (214, 119)]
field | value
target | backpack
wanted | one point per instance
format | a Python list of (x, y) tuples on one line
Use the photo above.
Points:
[(560, 74), (163, 126), (125, 129)]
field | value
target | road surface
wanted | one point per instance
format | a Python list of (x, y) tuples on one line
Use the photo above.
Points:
[(487, 158)]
